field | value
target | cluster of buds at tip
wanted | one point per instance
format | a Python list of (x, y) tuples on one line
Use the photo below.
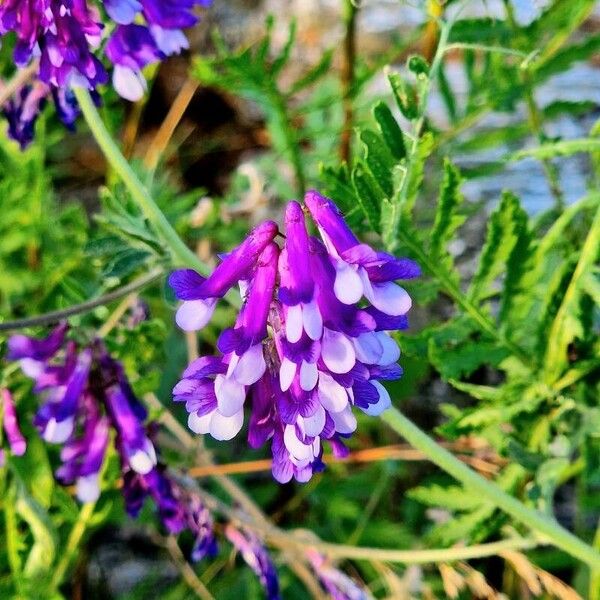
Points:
[(311, 341), (86, 396)]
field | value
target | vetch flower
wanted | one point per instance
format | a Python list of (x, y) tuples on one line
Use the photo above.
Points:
[(311, 342), (87, 400), (200, 295), (65, 39)]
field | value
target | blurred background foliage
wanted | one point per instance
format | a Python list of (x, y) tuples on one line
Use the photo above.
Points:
[(473, 147)]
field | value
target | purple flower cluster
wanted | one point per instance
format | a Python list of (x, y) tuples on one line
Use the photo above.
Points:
[(14, 437), (65, 37), (257, 558), (310, 342), (86, 397)]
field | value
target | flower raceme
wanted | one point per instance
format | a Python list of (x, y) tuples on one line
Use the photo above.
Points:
[(86, 397), (310, 343), (66, 38)]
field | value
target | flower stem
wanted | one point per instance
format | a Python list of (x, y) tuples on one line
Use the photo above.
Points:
[(181, 254), (550, 529), (87, 306), (348, 76), (72, 547)]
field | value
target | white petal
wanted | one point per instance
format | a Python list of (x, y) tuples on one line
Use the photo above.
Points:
[(251, 366), (337, 351), (141, 462), (389, 298), (87, 488), (293, 323), (128, 83), (224, 428), (332, 395), (200, 424), (348, 286), (287, 371), (314, 425), (368, 347), (58, 432), (391, 350), (312, 320), (301, 463), (195, 314), (345, 421), (382, 404), (295, 447), (32, 368), (309, 375), (234, 359), (230, 395)]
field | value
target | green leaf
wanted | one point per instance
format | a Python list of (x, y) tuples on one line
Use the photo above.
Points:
[(43, 551), (405, 96), (517, 265), (562, 148), (452, 497), (568, 324), (564, 59), (284, 55), (489, 31), (390, 130), (314, 74), (378, 159), (481, 392), (369, 195), (34, 467), (556, 25), (447, 221), (505, 227), (416, 170)]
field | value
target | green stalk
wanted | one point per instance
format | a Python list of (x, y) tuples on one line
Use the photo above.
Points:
[(541, 524), (72, 547), (181, 254)]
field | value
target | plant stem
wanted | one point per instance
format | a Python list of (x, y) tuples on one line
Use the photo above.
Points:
[(306, 541), (534, 117), (181, 254), (278, 102), (72, 547), (595, 573), (550, 529), (89, 305), (22, 77), (162, 138), (348, 77)]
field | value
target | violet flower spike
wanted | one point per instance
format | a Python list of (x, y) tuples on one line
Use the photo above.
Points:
[(306, 347)]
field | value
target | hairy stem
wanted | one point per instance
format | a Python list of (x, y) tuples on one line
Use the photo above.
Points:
[(89, 305), (348, 77), (551, 531), (181, 254)]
